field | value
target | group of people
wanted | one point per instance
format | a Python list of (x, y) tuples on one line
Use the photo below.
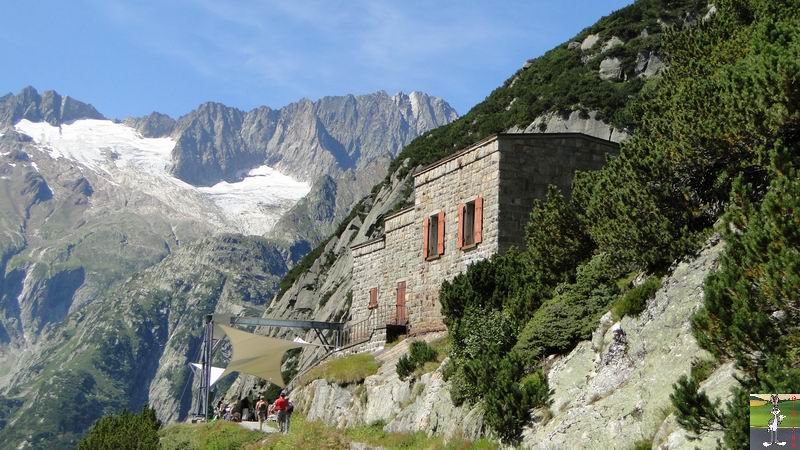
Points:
[(281, 411)]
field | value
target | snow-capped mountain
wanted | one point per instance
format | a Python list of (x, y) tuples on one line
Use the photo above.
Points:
[(120, 155), (117, 236)]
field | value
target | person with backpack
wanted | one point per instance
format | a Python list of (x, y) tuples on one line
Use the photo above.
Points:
[(281, 405), (289, 411), (261, 410)]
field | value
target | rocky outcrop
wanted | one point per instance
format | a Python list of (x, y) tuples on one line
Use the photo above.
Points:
[(153, 125), (48, 107), (648, 65), (574, 122), (610, 69), (410, 406), (614, 391)]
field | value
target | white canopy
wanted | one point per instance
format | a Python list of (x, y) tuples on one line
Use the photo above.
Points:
[(216, 372), (257, 355)]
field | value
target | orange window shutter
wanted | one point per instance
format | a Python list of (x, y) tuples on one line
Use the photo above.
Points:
[(440, 246), (478, 219), (425, 238), (373, 298), (460, 226)]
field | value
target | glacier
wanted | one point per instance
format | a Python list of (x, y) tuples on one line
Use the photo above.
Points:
[(120, 155)]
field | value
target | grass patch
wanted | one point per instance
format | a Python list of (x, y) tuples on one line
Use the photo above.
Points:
[(306, 435), (375, 435), (219, 435), (345, 370)]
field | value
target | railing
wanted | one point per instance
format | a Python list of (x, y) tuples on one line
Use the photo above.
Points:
[(379, 317)]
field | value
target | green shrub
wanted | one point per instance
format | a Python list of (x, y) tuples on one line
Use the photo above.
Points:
[(643, 444), (508, 400), (404, 367), (419, 354), (123, 431), (703, 368), (572, 315), (556, 241), (634, 301)]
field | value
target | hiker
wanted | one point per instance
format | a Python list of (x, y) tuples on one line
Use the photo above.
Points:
[(289, 411), (262, 407), (219, 410), (245, 407), (281, 404)]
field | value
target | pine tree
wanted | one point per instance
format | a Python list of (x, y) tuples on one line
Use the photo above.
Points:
[(555, 238)]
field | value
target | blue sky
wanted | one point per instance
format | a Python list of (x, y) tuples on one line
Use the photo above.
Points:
[(133, 57)]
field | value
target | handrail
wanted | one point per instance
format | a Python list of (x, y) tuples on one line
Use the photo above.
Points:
[(379, 317)]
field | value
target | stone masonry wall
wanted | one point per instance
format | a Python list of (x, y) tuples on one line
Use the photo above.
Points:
[(384, 263), (367, 266), (529, 163), (442, 188)]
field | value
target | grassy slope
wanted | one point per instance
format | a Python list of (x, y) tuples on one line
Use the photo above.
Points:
[(304, 435)]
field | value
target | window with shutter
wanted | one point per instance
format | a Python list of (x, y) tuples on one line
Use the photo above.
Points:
[(425, 234), (460, 226), (440, 237), (478, 221), (433, 236), (468, 225), (373, 298)]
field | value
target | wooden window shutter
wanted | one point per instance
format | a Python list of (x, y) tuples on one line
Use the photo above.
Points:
[(373, 298), (478, 229), (440, 243), (400, 309), (460, 226), (425, 225)]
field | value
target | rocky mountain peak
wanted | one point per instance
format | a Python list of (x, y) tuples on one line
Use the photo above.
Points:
[(305, 139), (49, 106), (153, 125)]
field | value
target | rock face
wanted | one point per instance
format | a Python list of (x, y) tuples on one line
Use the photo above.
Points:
[(405, 406), (611, 69), (153, 125), (614, 391), (48, 107), (575, 122), (305, 139)]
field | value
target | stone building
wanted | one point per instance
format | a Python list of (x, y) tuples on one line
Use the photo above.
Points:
[(467, 207)]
